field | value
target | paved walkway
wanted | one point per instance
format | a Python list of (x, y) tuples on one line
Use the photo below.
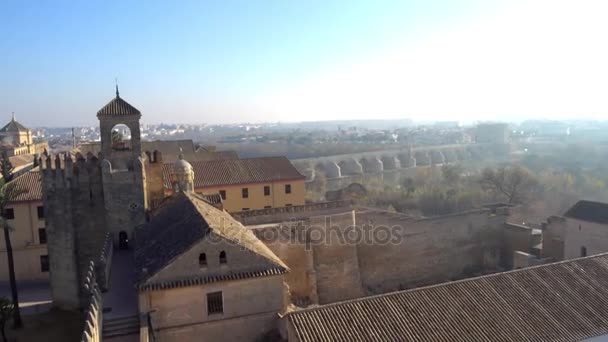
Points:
[(121, 299), (34, 297)]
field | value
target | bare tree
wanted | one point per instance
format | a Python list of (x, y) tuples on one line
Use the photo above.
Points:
[(513, 182), (7, 173)]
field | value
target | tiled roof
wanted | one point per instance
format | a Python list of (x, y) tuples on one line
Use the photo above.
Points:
[(183, 220), (566, 301), (238, 171), (118, 107), (27, 187), (13, 126), (589, 211), (210, 279)]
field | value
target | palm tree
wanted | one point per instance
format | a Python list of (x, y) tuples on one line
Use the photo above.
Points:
[(7, 173), (7, 310)]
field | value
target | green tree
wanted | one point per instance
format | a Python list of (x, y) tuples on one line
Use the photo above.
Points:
[(5, 190), (7, 311)]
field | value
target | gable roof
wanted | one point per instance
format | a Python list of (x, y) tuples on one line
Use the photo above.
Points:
[(238, 171), (118, 107), (566, 301), (13, 126), (184, 220), (589, 211), (27, 187)]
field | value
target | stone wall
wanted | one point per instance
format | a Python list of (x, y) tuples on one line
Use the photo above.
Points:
[(374, 251), (93, 324), (75, 222)]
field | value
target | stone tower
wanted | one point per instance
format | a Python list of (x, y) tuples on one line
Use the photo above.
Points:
[(122, 169), (86, 198), (75, 222), (182, 176)]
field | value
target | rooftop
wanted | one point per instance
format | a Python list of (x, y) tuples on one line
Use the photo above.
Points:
[(179, 223), (118, 107), (238, 171), (13, 126), (589, 211), (27, 187), (566, 301)]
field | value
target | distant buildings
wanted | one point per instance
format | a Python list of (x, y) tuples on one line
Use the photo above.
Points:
[(246, 184), (16, 139), (494, 133)]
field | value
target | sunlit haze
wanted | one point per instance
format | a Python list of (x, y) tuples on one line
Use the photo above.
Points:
[(255, 61)]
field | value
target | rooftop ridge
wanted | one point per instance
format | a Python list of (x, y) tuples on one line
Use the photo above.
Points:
[(449, 283)]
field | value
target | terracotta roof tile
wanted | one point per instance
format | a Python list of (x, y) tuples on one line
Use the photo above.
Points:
[(13, 126), (238, 171), (566, 301), (27, 187), (118, 107)]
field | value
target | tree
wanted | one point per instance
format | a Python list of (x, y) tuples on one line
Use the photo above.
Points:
[(451, 173), (512, 182), (6, 314), (7, 173)]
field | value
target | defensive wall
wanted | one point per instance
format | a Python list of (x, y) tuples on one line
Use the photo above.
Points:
[(365, 251)]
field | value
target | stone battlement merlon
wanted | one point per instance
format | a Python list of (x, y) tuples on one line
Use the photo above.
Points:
[(62, 172)]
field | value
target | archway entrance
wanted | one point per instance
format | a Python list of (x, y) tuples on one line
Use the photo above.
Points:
[(123, 240)]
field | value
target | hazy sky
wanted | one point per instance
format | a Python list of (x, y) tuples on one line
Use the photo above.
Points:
[(229, 61)]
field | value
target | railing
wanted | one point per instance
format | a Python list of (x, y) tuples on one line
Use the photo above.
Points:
[(104, 265)]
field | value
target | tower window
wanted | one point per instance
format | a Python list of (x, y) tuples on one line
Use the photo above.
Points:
[(245, 192), (40, 212), (223, 194), (215, 303), (267, 190), (223, 259), (583, 251), (42, 235), (202, 260), (44, 263), (287, 188)]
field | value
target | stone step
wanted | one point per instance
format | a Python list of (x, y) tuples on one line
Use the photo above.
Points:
[(120, 326)]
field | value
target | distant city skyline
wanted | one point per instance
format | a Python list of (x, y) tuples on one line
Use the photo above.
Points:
[(285, 61)]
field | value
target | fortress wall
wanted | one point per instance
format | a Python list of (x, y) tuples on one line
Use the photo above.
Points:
[(429, 251), (336, 262)]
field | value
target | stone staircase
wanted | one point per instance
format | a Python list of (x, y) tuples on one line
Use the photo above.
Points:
[(120, 326)]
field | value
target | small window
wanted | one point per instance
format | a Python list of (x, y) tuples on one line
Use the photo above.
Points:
[(245, 192), (202, 260), (287, 188), (223, 194), (266, 190), (42, 235), (288, 205), (223, 257), (215, 303), (583, 251), (9, 214), (267, 206), (40, 212), (44, 263), (244, 209)]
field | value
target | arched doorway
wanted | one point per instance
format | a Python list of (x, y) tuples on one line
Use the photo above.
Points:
[(123, 240)]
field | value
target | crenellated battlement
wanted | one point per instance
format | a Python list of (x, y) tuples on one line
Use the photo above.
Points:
[(61, 171)]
